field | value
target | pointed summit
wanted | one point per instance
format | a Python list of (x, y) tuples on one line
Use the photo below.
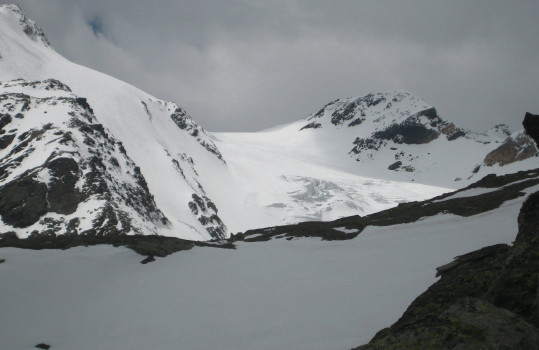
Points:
[(28, 26)]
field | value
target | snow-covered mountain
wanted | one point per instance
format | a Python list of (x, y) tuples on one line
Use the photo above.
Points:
[(86, 153), (361, 155), (87, 162), (138, 164), (396, 135), (128, 158)]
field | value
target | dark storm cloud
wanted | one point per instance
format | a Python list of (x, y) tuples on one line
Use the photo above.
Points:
[(246, 65)]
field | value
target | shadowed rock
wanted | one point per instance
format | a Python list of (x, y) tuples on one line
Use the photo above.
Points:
[(531, 125)]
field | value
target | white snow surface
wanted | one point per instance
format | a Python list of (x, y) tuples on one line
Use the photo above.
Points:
[(279, 176), (279, 294), (260, 182)]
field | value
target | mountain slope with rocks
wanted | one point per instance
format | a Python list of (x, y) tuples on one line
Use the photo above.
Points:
[(161, 173), (190, 188), (132, 161), (399, 136)]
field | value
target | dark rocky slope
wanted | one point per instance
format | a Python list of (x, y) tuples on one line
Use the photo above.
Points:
[(486, 299)]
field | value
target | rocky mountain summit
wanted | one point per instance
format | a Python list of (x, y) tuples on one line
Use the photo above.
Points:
[(62, 172), (387, 128)]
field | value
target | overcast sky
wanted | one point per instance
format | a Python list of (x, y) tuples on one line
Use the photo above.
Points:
[(245, 65)]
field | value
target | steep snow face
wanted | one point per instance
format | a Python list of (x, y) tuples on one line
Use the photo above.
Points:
[(171, 150)]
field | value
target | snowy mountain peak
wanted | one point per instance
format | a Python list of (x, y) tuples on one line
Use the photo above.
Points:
[(374, 107), (28, 26), (131, 163), (401, 137)]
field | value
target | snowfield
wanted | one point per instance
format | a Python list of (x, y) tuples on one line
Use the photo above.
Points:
[(285, 177), (280, 294), (284, 293)]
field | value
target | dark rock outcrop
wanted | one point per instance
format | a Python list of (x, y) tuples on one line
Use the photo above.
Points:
[(486, 299), (531, 125), (206, 213), (395, 165), (52, 167), (413, 130), (184, 122)]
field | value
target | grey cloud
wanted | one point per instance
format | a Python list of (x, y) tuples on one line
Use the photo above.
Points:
[(250, 64)]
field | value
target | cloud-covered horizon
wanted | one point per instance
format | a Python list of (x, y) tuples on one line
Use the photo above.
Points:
[(245, 65)]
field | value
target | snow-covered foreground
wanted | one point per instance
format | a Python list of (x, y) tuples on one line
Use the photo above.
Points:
[(299, 294)]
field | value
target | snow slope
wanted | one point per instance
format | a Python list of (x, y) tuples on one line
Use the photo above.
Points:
[(280, 294), (288, 179), (366, 135), (158, 136), (208, 185), (185, 172), (335, 162)]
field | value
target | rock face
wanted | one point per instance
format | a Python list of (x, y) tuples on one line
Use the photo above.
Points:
[(486, 299), (66, 164), (516, 147), (531, 124)]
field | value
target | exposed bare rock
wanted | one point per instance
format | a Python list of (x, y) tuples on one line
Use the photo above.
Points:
[(516, 147)]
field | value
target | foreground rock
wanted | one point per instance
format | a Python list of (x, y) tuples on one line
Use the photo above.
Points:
[(486, 299), (531, 124)]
